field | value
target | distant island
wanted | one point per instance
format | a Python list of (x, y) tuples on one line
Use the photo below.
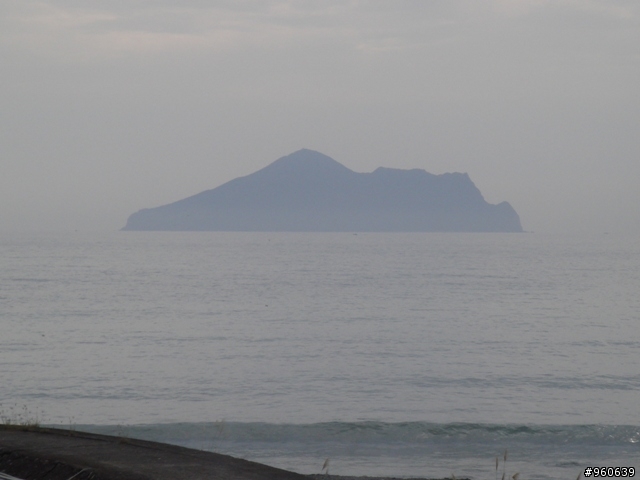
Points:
[(310, 192)]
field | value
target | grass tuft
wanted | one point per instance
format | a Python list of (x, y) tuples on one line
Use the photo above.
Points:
[(19, 416), (325, 467)]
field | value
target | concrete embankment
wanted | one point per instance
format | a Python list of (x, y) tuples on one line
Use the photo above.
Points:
[(53, 454)]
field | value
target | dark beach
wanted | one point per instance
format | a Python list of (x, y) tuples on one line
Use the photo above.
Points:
[(55, 454)]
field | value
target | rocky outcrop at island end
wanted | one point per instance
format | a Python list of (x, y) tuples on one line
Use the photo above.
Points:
[(310, 192)]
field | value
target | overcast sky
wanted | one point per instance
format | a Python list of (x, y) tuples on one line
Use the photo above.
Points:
[(110, 106)]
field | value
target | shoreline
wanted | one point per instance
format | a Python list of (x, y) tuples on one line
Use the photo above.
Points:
[(58, 454)]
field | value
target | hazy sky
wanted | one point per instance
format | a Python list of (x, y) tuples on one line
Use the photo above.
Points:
[(110, 106)]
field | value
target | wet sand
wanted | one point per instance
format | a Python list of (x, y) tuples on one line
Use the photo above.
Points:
[(55, 454)]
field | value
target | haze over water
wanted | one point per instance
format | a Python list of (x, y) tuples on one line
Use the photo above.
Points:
[(458, 344)]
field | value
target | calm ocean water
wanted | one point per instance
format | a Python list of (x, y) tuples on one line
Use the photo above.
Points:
[(392, 354)]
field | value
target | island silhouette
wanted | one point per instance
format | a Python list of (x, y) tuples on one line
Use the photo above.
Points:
[(308, 191)]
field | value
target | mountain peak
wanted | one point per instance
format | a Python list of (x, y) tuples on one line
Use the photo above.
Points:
[(308, 160)]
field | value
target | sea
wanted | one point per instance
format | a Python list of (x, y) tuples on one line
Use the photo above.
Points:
[(390, 354)]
